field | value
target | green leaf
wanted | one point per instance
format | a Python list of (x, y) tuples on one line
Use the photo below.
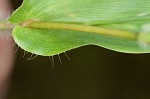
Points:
[(126, 15)]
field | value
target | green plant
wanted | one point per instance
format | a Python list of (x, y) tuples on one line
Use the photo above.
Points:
[(49, 27)]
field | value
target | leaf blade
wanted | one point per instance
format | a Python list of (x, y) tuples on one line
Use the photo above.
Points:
[(54, 43), (117, 14)]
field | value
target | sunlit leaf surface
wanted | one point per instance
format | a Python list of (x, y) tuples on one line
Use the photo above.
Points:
[(127, 15)]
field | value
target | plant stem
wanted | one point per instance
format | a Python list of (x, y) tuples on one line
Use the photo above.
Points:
[(4, 25), (74, 27), (81, 28)]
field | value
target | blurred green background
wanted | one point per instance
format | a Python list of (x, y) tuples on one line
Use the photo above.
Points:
[(92, 73)]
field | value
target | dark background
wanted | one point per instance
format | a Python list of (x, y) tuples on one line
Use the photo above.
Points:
[(92, 73)]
